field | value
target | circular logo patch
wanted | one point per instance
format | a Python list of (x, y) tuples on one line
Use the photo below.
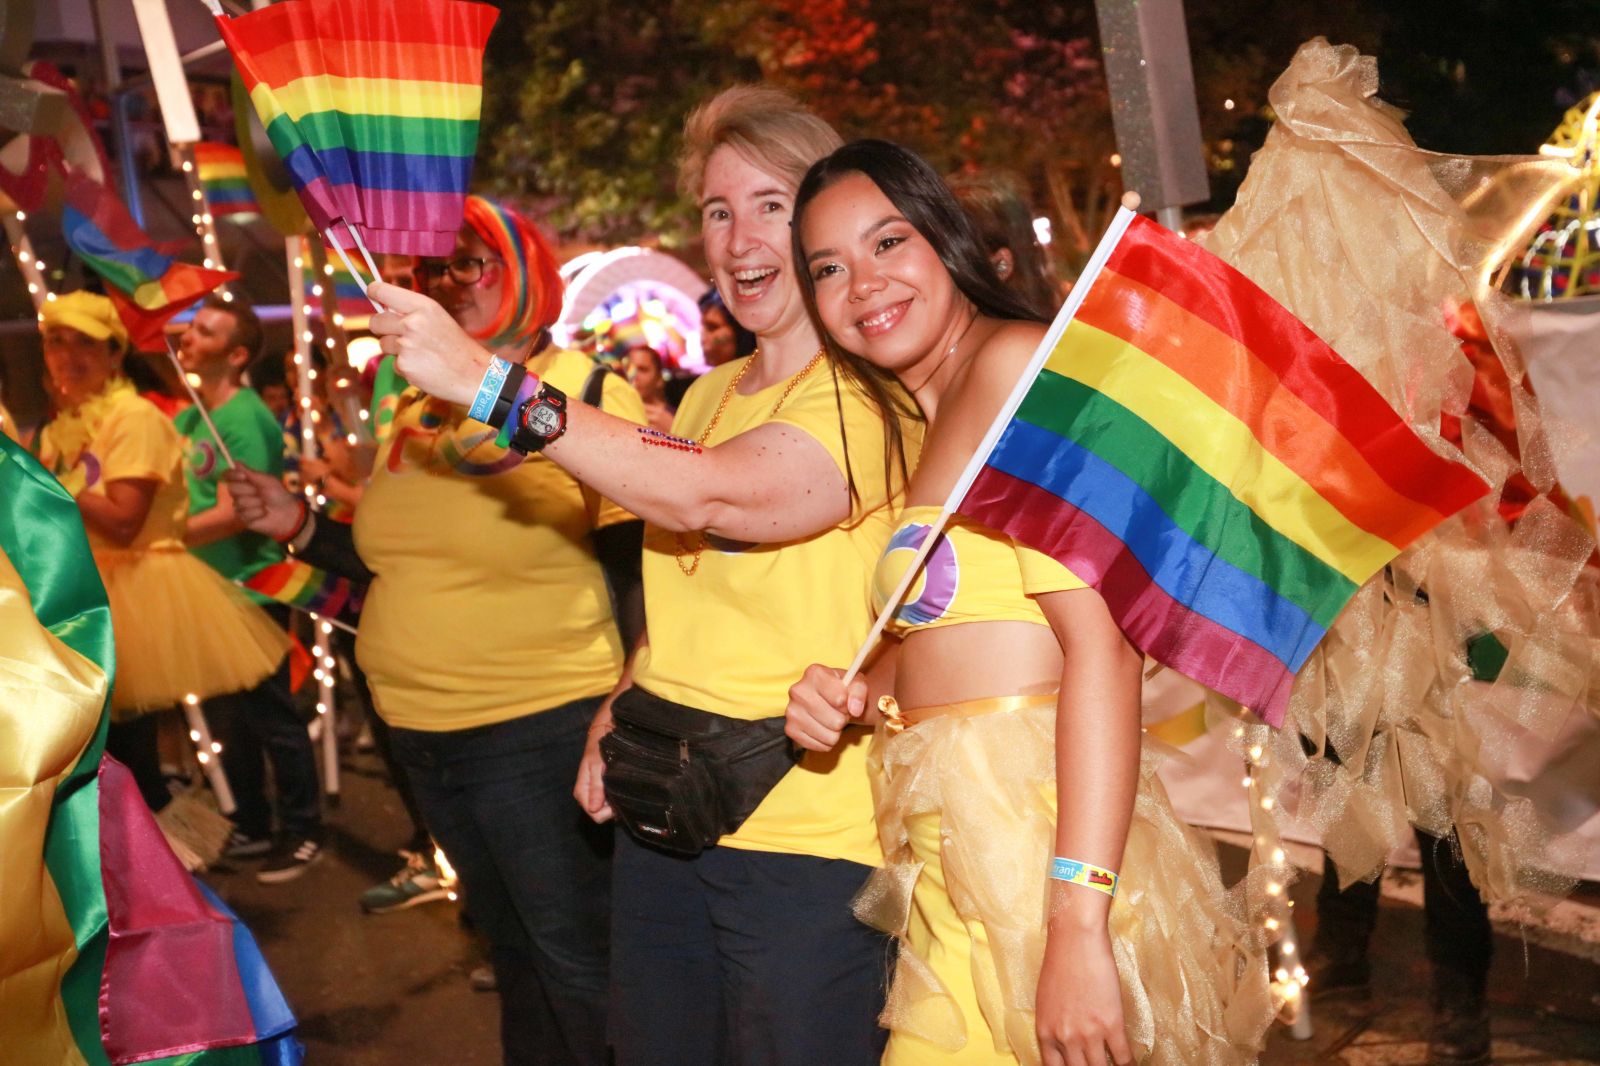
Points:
[(934, 590)]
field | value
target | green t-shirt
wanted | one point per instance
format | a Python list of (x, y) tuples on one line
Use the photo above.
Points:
[(255, 440), (387, 385)]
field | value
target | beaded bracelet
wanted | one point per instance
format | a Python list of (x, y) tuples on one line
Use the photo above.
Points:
[(658, 439), (489, 389), (524, 396), (1074, 872)]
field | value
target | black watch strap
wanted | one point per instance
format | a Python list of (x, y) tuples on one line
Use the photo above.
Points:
[(541, 420)]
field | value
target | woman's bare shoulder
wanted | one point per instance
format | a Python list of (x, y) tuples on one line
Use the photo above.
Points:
[(1005, 352)]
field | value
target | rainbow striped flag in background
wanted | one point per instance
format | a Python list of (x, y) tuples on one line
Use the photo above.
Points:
[(350, 300), (374, 107), (110, 952), (147, 285), (1192, 450), (225, 181), (302, 585)]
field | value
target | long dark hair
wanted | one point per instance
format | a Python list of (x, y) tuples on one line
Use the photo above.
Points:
[(996, 206), (920, 194)]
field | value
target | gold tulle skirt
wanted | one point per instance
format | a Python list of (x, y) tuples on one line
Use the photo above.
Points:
[(966, 813), (181, 628)]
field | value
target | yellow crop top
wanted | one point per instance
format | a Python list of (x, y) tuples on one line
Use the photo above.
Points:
[(973, 574)]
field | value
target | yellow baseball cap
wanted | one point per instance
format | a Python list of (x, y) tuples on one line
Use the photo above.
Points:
[(90, 314)]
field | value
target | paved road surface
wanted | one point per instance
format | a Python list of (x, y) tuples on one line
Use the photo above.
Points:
[(392, 990)]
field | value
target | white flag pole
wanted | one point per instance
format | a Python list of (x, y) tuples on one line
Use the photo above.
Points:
[(349, 266), (199, 404), (1080, 291), (372, 265)]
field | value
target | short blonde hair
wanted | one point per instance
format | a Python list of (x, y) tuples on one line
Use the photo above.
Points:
[(768, 127)]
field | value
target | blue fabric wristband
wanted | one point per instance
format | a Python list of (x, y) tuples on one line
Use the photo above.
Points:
[(489, 390)]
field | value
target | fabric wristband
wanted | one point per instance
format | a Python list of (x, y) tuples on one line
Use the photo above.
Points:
[(508, 392), (1074, 872), (489, 389), (525, 394)]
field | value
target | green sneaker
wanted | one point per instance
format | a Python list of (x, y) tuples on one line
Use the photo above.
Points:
[(417, 882)]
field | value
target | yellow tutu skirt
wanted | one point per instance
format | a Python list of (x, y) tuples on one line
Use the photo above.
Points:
[(966, 813), (181, 628)]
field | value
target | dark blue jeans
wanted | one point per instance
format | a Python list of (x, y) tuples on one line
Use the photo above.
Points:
[(743, 958), (258, 726), (536, 870)]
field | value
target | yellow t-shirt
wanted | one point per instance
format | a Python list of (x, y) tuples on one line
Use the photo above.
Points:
[(489, 603), (734, 637), (115, 436)]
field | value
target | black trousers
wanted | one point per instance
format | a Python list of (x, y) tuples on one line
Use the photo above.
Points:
[(742, 958), (135, 744), (419, 840), (1460, 942), (258, 726), (536, 870)]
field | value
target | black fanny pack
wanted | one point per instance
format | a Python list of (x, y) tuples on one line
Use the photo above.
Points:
[(679, 778)]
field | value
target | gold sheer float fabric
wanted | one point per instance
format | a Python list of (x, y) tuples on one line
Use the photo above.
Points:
[(51, 698), (966, 815), (1371, 242)]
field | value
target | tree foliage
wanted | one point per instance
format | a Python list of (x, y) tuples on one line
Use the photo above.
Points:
[(592, 132), (585, 111), (587, 97)]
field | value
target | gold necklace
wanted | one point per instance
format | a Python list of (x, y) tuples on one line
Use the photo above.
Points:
[(692, 567)]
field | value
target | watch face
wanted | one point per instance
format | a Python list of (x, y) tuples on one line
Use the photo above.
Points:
[(543, 420)]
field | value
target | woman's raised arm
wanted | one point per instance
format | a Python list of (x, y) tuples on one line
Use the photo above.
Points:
[(772, 484)]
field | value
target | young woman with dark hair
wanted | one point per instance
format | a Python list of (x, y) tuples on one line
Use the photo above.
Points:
[(1010, 760)]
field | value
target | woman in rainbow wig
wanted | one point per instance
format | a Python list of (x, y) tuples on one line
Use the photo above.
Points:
[(489, 721)]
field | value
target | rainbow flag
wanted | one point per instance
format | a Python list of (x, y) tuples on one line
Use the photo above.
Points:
[(100, 918), (147, 285), (304, 586), (225, 181), (1204, 460), (373, 106)]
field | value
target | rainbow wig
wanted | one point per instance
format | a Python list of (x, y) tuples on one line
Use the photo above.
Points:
[(530, 300)]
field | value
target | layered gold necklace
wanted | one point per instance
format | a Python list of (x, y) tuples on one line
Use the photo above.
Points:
[(683, 549)]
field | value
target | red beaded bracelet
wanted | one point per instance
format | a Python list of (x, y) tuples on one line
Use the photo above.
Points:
[(657, 439)]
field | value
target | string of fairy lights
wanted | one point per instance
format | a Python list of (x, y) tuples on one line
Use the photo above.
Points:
[(1270, 871), (325, 669), (205, 222), (28, 262)]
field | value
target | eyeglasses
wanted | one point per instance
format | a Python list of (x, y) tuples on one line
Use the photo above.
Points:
[(468, 270)]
